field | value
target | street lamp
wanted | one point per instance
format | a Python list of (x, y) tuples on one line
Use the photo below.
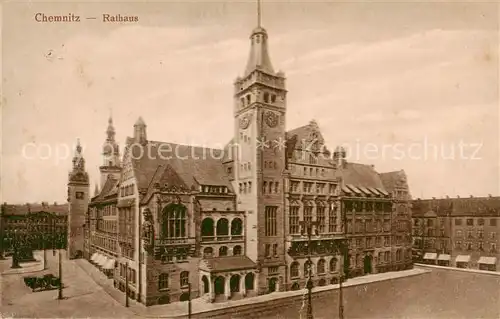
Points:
[(15, 260), (342, 245), (308, 226), (126, 284), (189, 301)]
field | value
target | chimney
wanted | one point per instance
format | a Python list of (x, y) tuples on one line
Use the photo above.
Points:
[(471, 196), (55, 203), (458, 196), (489, 195), (433, 197), (447, 196)]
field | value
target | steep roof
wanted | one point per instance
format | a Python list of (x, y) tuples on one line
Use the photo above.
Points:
[(360, 175), (181, 165), (109, 189)]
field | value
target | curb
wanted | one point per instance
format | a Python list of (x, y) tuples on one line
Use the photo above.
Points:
[(468, 270), (283, 298)]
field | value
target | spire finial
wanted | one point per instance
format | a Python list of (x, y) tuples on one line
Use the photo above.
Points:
[(258, 14)]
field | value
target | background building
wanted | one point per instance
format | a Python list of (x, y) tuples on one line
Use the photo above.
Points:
[(461, 232), (32, 227)]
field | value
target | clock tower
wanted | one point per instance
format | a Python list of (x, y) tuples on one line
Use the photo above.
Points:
[(78, 200), (259, 154)]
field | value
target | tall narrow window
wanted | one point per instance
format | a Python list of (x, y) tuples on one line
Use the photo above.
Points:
[(271, 222), (332, 220), (184, 278), (320, 217), (174, 221), (294, 220), (308, 213)]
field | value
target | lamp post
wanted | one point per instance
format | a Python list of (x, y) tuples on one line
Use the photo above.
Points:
[(189, 301), (15, 261), (60, 294), (342, 244), (308, 227), (126, 284)]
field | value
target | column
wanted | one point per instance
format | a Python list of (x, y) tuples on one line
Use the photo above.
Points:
[(227, 288), (243, 288), (215, 228), (211, 288)]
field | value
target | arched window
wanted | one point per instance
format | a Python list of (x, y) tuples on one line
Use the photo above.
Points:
[(223, 251), (174, 221), (306, 268), (236, 227), (208, 252), (184, 278), (163, 281), (236, 250), (333, 264), (249, 281), (321, 266), (207, 227), (206, 284), (294, 269), (222, 227)]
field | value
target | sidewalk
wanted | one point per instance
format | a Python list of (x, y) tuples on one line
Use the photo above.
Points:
[(200, 306)]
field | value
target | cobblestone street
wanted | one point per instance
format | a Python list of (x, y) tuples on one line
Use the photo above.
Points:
[(82, 296)]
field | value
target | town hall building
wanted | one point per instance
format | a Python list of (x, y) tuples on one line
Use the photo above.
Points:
[(233, 223)]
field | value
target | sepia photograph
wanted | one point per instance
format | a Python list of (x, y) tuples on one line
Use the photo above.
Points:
[(250, 159)]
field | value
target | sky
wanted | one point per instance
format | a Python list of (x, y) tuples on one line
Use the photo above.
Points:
[(404, 85)]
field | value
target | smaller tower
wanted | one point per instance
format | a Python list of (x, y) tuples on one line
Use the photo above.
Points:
[(111, 155), (339, 156), (78, 199), (140, 131)]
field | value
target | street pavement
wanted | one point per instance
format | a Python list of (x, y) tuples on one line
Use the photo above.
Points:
[(434, 295), (82, 296)]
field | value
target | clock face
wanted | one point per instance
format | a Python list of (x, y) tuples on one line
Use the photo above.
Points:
[(244, 122), (271, 119)]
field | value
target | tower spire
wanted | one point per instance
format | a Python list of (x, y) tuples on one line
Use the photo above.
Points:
[(259, 17)]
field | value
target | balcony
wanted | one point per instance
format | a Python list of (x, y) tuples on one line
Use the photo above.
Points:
[(221, 238), (173, 241)]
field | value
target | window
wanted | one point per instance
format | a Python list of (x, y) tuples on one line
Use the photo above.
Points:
[(266, 97), (307, 187), (294, 220), (163, 281), (273, 98), (270, 218), (307, 267), (321, 266), (236, 250), (469, 246), (493, 247), (294, 186), (493, 235), (480, 234), (320, 217), (480, 221), (332, 220), (223, 251), (79, 195), (333, 264), (208, 252), (268, 250), (184, 276), (174, 221), (480, 246), (459, 233), (470, 222), (458, 244), (493, 222), (275, 250), (264, 187), (294, 269), (458, 222), (469, 234), (307, 213)]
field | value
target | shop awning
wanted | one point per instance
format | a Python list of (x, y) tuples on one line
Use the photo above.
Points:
[(94, 255), (487, 260), (462, 259), (444, 257), (110, 264), (99, 260), (430, 256)]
